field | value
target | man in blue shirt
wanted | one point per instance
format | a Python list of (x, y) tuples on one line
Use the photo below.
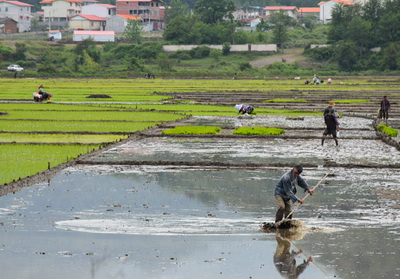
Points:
[(285, 192)]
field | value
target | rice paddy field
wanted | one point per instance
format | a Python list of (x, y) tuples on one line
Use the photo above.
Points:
[(113, 195), (88, 114)]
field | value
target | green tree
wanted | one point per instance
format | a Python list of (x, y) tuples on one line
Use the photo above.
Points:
[(176, 8), (389, 27), (212, 12), (178, 29), (5, 52), (360, 32), (310, 22), (133, 31), (281, 23), (391, 57), (263, 26), (20, 51), (347, 56), (88, 45)]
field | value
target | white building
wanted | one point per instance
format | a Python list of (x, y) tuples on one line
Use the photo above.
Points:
[(325, 11), (100, 10), (118, 23), (291, 11), (18, 11), (60, 11), (97, 36), (246, 13)]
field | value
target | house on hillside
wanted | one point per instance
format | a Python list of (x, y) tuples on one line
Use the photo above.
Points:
[(118, 23), (101, 10), (151, 12), (8, 25), (314, 11), (255, 21), (325, 13), (87, 22), (19, 12), (246, 13), (58, 12), (288, 10), (97, 36)]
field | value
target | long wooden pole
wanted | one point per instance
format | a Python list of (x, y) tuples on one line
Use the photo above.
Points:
[(306, 196)]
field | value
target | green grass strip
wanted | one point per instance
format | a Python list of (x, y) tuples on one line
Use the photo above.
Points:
[(74, 126), (93, 115), (59, 138), (258, 131), (193, 130), (388, 130), (19, 160)]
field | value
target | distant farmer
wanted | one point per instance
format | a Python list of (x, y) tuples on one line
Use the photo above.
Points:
[(384, 110), (285, 192), (331, 123), (243, 108), (316, 79)]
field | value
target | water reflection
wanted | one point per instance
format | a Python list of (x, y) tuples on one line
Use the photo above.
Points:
[(285, 259)]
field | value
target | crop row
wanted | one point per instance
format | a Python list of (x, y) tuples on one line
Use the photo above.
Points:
[(19, 160), (93, 115), (57, 138)]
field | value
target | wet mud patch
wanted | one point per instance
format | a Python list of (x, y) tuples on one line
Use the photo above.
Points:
[(100, 96)]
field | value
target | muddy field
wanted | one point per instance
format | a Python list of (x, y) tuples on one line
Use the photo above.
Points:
[(159, 206)]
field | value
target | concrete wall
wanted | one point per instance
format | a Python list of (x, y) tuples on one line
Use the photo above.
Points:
[(234, 48)]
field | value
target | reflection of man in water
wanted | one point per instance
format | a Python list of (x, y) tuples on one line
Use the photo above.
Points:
[(285, 260)]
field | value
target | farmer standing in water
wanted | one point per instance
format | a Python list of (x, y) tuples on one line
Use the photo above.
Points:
[(285, 192), (331, 123)]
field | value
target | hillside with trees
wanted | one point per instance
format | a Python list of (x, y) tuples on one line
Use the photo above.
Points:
[(364, 38)]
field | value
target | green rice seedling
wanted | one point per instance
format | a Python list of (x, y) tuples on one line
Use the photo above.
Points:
[(193, 130), (388, 130), (106, 115), (59, 138), (258, 131), (75, 126), (26, 160), (285, 101)]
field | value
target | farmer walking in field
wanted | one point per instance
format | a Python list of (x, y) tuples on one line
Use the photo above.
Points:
[(285, 192), (331, 123), (384, 110)]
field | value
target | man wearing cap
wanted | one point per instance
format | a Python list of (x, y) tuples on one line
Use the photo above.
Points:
[(285, 192), (331, 122)]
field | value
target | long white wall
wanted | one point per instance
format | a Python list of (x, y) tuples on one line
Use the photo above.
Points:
[(234, 48)]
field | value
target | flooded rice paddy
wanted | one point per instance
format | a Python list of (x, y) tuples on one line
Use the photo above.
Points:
[(110, 219)]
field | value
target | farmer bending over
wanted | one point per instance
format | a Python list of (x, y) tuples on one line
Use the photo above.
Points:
[(285, 192)]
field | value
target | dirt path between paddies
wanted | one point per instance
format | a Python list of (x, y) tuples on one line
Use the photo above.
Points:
[(288, 56)]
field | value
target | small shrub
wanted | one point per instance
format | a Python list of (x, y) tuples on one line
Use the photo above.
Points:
[(388, 130), (244, 66), (200, 52), (258, 131), (226, 49), (193, 130)]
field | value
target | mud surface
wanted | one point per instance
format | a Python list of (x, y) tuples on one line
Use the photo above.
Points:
[(169, 207)]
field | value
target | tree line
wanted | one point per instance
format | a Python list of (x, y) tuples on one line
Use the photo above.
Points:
[(357, 30)]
